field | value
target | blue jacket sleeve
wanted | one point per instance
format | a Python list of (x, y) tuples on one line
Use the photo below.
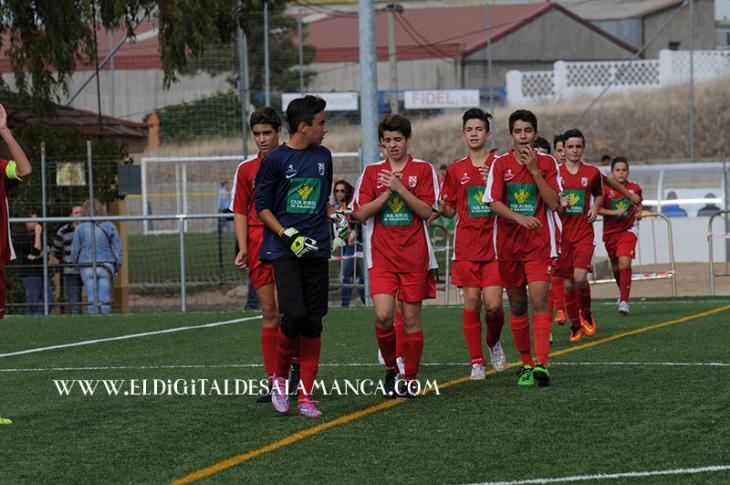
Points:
[(265, 186)]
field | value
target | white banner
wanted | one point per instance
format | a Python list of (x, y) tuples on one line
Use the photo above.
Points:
[(441, 98), (335, 101)]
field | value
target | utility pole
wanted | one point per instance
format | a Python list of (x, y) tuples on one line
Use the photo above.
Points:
[(392, 9), (267, 68)]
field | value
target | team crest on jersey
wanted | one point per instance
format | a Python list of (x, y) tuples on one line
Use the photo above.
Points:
[(321, 168), (412, 181), (584, 181), (611, 194)]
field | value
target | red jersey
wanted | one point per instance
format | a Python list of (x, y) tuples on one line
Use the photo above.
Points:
[(580, 188), (8, 180), (396, 238), (464, 190), (625, 222), (242, 201), (511, 183)]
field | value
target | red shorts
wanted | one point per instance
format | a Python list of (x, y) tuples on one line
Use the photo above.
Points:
[(475, 274), (261, 274), (621, 244), (518, 273), (575, 256), (431, 284), (408, 287)]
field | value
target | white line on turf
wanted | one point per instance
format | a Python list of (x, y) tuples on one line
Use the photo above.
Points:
[(335, 364), (130, 336), (613, 476)]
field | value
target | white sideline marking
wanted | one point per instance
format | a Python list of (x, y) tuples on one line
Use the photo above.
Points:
[(127, 337), (606, 476), (335, 364)]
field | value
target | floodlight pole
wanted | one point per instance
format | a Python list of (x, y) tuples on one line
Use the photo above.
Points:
[(392, 9), (267, 74), (490, 81), (243, 78), (368, 98), (691, 82)]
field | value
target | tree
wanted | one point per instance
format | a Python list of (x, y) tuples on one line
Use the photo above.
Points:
[(46, 38)]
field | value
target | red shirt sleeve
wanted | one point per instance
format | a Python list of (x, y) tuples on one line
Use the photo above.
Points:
[(449, 189)]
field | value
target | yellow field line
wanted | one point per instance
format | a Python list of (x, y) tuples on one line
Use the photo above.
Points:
[(305, 433)]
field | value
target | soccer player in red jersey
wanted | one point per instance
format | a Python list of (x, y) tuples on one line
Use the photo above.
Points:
[(621, 228), (522, 189), (394, 199), (583, 190), (266, 129), (11, 173), (474, 267)]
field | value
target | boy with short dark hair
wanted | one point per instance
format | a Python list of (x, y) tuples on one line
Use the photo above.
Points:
[(583, 191), (522, 189), (249, 229), (393, 199), (474, 267), (292, 200)]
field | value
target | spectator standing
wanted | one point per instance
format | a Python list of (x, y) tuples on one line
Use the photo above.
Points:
[(62, 251), (342, 194), (224, 207), (29, 250), (96, 246)]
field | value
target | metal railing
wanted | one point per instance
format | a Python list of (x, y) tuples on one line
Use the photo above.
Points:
[(670, 273), (710, 236)]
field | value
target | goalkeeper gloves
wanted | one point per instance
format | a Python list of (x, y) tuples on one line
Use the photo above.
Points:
[(299, 244), (342, 225)]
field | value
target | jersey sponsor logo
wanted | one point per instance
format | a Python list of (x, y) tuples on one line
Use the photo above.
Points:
[(477, 208), (303, 195), (522, 198), (576, 201), (395, 212), (617, 204), (290, 172), (412, 181)]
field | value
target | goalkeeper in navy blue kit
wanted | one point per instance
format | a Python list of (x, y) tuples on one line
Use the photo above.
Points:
[(292, 191)]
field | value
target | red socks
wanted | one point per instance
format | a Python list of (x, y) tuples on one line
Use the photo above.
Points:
[(624, 286), (571, 307), (584, 297), (387, 342), (400, 333), (556, 287), (269, 336), (412, 352), (286, 348), (541, 334), (308, 364), (521, 332), (472, 325), (494, 328)]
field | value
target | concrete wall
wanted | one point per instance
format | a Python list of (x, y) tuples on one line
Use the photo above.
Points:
[(136, 93), (677, 30), (421, 74)]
